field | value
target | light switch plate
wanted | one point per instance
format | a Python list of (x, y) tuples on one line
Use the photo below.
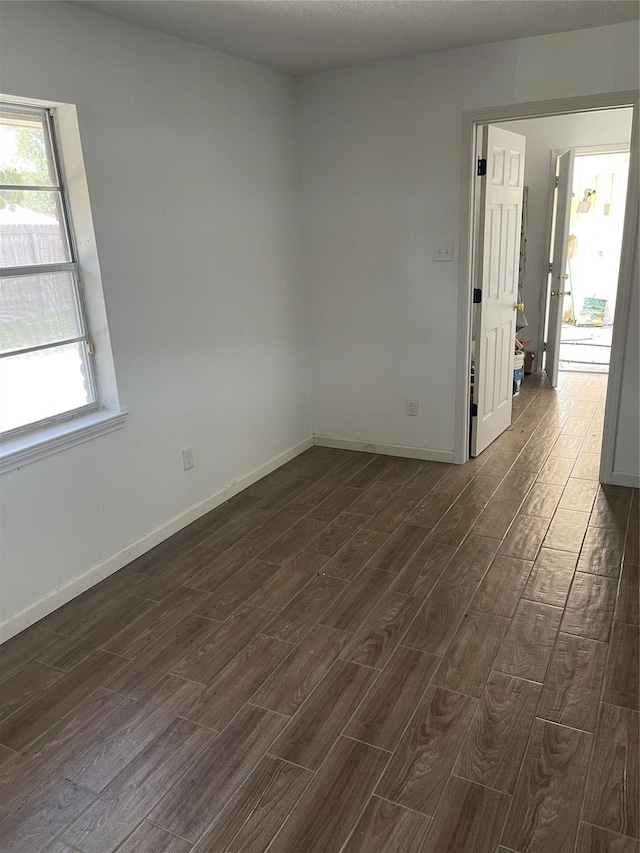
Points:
[(443, 250)]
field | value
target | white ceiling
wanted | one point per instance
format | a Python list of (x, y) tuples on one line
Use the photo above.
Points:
[(298, 36)]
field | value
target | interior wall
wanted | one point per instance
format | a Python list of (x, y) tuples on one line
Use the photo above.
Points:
[(381, 161), (191, 164), (545, 135), (626, 456)]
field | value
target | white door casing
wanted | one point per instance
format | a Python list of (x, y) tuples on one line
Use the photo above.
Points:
[(497, 277), (559, 264)]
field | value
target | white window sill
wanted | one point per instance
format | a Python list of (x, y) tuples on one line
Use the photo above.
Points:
[(20, 451)]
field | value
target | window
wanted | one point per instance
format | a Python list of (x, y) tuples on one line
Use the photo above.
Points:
[(46, 365)]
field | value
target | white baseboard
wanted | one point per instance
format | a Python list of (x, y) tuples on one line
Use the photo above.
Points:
[(53, 600), (620, 478), (406, 450)]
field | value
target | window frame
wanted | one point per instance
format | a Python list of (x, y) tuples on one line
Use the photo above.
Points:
[(72, 266)]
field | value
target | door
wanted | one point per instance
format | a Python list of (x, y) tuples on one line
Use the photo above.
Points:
[(498, 250), (559, 264)]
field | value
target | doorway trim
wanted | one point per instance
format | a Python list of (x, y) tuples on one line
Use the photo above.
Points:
[(471, 120), (590, 150)]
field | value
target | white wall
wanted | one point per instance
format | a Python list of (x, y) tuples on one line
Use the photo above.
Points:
[(545, 135), (190, 160), (626, 456), (381, 153)]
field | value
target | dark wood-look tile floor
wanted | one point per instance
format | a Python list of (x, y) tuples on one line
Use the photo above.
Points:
[(357, 654)]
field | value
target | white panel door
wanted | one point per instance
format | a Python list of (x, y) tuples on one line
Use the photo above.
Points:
[(497, 277), (559, 264)]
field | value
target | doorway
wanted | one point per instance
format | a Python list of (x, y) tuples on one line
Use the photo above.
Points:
[(596, 225), (511, 116), (585, 238)]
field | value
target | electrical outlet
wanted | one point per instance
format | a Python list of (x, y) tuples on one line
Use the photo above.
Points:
[(187, 458), (443, 250), (411, 405)]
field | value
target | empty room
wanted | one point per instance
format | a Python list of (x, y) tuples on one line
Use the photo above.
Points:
[(319, 426)]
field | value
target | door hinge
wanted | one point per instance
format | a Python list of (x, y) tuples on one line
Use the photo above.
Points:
[(550, 267), (477, 295), (557, 182), (482, 166), (544, 346), (474, 410), (90, 348)]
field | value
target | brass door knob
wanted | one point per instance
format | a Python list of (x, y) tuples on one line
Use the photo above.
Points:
[(518, 306), (561, 293)]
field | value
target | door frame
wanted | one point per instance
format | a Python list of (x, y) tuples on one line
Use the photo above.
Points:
[(580, 151), (550, 233), (471, 120)]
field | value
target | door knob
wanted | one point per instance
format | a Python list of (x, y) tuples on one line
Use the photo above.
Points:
[(563, 277), (518, 306), (561, 293)]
